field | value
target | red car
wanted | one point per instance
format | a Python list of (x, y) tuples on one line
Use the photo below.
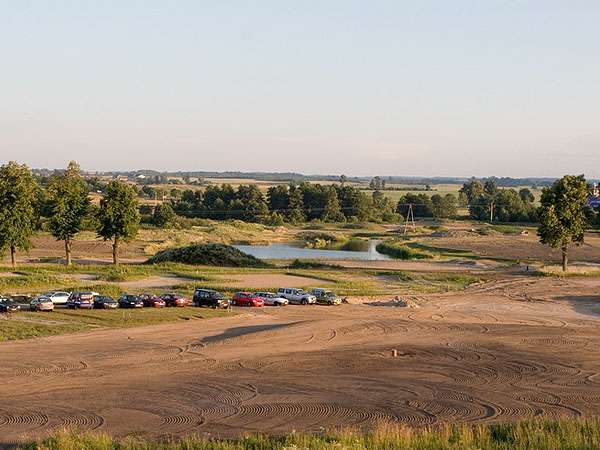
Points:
[(152, 300), (247, 299), (174, 300)]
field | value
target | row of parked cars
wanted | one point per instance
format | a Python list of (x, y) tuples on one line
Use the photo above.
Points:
[(202, 297)]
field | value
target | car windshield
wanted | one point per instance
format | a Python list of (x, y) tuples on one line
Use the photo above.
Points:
[(302, 292), (330, 294)]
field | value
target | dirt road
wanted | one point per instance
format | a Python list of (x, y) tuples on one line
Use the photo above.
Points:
[(513, 348)]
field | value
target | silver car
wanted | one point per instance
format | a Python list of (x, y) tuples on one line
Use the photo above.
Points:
[(297, 296), (41, 303), (272, 299)]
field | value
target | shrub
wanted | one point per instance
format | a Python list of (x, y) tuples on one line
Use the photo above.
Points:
[(208, 254), (297, 264), (399, 250)]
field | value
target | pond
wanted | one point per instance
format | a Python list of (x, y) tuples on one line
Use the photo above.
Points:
[(354, 249)]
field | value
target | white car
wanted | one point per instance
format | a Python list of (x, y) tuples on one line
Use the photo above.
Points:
[(272, 299), (57, 297), (297, 296)]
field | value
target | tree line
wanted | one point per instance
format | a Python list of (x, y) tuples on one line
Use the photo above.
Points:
[(66, 205), (283, 203)]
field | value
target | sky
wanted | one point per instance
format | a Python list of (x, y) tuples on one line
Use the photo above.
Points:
[(408, 88)]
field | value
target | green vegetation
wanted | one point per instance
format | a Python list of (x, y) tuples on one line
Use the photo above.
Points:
[(17, 213), (562, 218), (399, 250), (118, 217), (26, 324), (208, 254), (67, 205), (435, 281), (307, 264), (489, 202), (293, 204), (313, 239), (561, 434)]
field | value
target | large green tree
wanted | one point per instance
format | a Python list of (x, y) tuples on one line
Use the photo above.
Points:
[(67, 205), (118, 217), (17, 208), (561, 216)]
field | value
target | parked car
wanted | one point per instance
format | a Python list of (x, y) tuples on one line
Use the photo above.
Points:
[(58, 297), (152, 300), (81, 300), (297, 296), (272, 299), (130, 301), (209, 297), (326, 296), (8, 305), (104, 302), (41, 304), (174, 300), (247, 299)]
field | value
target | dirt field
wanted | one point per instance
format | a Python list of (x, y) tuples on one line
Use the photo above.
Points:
[(519, 247), (510, 348)]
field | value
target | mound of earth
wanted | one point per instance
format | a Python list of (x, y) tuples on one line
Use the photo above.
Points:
[(208, 255)]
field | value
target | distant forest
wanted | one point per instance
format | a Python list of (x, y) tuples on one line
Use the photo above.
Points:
[(289, 177)]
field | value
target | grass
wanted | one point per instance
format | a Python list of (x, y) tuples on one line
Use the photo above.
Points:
[(409, 282), (400, 250), (27, 324), (560, 434)]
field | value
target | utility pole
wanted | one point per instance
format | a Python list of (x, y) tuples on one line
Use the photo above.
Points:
[(410, 219)]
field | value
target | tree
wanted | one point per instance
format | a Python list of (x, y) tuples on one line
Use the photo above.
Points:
[(17, 212), (163, 215), (473, 190), (67, 205), (118, 216), (561, 214), (526, 195), (343, 180)]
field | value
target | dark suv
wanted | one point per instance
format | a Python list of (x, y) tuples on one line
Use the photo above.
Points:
[(8, 305), (208, 297)]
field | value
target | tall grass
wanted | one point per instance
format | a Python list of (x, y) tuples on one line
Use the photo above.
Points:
[(524, 435), (400, 250)]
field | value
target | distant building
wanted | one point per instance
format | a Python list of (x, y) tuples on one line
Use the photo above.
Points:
[(593, 199), (121, 177), (141, 176)]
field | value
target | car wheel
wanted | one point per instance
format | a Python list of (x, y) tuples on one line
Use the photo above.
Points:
[(304, 302), (330, 303), (233, 302)]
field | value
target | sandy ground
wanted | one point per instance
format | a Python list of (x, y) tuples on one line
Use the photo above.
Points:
[(511, 348), (519, 247)]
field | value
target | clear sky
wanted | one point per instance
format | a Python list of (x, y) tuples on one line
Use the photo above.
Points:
[(362, 87)]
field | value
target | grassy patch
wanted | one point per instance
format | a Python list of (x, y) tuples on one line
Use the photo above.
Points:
[(430, 282), (12, 329), (307, 264), (526, 434), (26, 324), (399, 250)]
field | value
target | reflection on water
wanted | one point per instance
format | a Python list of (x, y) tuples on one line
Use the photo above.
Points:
[(353, 249)]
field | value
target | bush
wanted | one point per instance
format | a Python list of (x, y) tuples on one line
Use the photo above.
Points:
[(401, 251), (297, 264), (209, 255)]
